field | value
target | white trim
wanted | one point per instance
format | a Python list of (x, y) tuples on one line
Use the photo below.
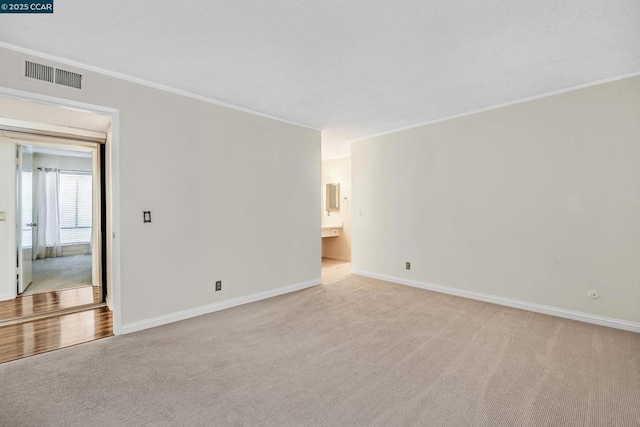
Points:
[(210, 308), (529, 306), (53, 130), (28, 140), (113, 266), (96, 229), (169, 89), (55, 101), (495, 107), (145, 83), (35, 140), (114, 175)]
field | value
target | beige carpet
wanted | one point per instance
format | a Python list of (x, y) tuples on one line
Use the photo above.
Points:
[(356, 352), (55, 274)]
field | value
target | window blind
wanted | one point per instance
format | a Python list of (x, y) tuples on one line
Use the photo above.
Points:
[(75, 202)]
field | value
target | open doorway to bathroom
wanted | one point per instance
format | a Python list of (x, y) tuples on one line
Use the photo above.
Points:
[(336, 219)]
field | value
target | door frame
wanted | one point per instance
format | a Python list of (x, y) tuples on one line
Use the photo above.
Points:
[(19, 185), (96, 196), (112, 190)]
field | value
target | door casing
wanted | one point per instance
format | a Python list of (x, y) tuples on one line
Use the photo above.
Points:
[(24, 254), (96, 252), (112, 185)]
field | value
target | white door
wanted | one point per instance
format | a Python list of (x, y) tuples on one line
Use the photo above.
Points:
[(26, 224)]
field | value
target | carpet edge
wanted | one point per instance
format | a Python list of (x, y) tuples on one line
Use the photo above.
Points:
[(523, 305), (164, 319)]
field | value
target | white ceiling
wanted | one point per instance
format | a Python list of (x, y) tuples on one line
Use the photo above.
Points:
[(351, 68)]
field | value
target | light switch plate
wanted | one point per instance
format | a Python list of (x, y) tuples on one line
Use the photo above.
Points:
[(3, 216)]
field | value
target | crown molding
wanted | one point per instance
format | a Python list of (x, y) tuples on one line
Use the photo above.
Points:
[(147, 83), (504, 104)]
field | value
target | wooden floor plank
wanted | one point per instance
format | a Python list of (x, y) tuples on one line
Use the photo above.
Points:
[(39, 336), (47, 302)]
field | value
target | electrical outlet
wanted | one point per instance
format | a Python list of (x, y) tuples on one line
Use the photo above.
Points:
[(218, 285), (408, 265)]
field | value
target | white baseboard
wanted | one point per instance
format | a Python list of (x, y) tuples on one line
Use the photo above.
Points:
[(529, 306), (210, 308)]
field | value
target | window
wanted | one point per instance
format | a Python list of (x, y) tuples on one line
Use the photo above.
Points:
[(75, 201)]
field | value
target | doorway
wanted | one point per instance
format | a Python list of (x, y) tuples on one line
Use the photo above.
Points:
[(336, 219), (56, 213)]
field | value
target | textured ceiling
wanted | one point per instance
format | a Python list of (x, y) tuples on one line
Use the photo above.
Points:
[(352, 67)]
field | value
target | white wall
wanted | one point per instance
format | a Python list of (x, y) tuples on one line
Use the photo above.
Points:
[(8, 285), (335, 149), (536, 202), (333, 172), (62, 162), (234, 196)]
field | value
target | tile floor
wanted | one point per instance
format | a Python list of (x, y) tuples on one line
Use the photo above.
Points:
[(334, 270)]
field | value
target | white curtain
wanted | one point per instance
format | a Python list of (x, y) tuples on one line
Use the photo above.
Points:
[(48, 236)]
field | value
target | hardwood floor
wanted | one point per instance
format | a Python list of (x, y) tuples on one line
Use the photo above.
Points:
[(37, 304), (38, 323), (42, 335)]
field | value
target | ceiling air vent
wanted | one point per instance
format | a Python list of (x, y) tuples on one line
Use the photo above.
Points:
[(37, 71), (51, 74)]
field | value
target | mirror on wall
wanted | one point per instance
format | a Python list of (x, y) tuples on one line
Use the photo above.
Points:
[(333, 198)]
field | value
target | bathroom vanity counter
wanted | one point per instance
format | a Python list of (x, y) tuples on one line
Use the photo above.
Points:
[(331, 230)]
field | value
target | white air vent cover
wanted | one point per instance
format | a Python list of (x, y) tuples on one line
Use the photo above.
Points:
[(51, 74)]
